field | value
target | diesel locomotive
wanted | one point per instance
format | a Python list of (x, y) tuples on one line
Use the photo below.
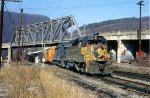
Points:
[(88, 54)]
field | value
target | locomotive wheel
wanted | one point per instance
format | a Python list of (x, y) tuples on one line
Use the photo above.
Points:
[(62, 64), (110, 75), (67, 65), (82, 69), (77, 67), (87, 68), (108, 70)]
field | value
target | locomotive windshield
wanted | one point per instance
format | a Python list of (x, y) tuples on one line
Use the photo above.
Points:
[(89, 40), (98, 40)]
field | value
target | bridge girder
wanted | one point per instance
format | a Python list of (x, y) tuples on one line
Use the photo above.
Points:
[(53, 31)]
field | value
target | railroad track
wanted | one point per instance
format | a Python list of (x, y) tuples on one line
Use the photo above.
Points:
[(135, 86), (89, 84), (144, 77)]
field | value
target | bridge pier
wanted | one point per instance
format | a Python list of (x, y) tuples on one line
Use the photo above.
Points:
[(9, 55), (129, 43), (119, 51)]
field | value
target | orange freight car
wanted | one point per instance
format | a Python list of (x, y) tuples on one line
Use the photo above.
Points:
[(50, 54)]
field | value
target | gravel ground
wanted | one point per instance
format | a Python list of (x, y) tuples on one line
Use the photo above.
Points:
[(132, 68)]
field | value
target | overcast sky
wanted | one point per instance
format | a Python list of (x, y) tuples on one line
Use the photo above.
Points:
[(84, 11)]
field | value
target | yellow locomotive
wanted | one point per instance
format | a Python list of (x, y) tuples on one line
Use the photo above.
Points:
[(87, 54)]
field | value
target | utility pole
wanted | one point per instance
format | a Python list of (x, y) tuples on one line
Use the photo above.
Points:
[(1, 29), (19, 38), (1, 25), (139, 31), (84, 29)]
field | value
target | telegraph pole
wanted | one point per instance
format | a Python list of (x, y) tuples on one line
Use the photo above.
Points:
[(1, 29), (84, 29), (139, 31), (19, 39), (1, 25)]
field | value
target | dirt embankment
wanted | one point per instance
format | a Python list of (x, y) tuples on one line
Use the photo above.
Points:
[(35, 82)]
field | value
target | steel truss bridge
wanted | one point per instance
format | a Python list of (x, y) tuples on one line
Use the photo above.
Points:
[(57, 30)]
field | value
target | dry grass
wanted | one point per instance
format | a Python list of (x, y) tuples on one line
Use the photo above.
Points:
[(58, 88), (33, 82), (21, 82)]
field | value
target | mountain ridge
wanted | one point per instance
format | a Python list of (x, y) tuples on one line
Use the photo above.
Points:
[(12, 20), (124, 24)]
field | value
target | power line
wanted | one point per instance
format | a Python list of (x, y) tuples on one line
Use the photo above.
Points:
[(80, 6), (19, 5)]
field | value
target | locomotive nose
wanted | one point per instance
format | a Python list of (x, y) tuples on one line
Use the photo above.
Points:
[(100, 53)]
